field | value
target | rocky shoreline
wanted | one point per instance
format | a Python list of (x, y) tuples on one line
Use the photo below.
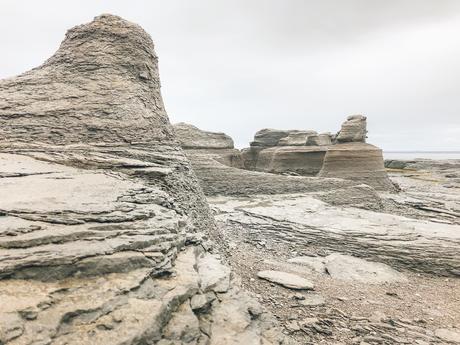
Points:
[(117, 227)]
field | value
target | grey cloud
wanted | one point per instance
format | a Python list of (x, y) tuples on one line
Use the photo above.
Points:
[(237, 66)]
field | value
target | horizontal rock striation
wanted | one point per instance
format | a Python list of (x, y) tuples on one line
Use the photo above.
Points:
[(359, 162), (217, 146), (191, 137), (301, 160), (98, 233)]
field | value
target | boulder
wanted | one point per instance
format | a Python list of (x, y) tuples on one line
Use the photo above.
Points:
[(191, 137), (353, 130), (359, 162)]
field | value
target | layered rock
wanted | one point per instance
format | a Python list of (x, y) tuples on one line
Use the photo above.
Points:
[(268, 137), (299, 138), (285, 152), (353, 130), (352, 159), (217, 146), (191, 137), (301, 160), (103, 207)]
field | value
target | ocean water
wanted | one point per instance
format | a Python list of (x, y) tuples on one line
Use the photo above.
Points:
[(435, 155)]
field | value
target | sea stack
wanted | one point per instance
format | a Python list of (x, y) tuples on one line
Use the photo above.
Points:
[(352, 158)]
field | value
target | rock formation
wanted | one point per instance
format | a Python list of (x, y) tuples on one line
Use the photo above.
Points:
[(307, 153), (353, 130), (99, 233), (352, 159), (285, 151), (211, 145), (191, 137)]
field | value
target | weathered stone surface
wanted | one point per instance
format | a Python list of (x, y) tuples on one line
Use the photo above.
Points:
[(346, 267), (353, 130), (448, 335), (191, 137), (296, 138), (268, 137), (103, 207), (302, 160), (359, 162), (323, 139), (289, 280)]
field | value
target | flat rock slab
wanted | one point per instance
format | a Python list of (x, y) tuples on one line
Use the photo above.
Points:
[(448, 335), (350, 268), (346, 267), (288, 280)]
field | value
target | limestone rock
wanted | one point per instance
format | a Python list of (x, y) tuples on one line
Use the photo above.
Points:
[(448, 335), (191, 137), (302, 160), (296, 138), (323, 139), (353, 130), (359, 162), (268, 137), (102, 202), (289, 280), (349, 268)]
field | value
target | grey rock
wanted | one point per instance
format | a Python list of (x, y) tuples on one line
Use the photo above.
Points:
[(103, 203), (214, 276), (302, 160), (349, 268), (288, 280), (359, 162), (449, 335), (268, 137), (353, 130), (296, 138), (191, 137)]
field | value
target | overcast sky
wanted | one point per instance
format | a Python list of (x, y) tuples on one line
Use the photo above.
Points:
[(241, 65)]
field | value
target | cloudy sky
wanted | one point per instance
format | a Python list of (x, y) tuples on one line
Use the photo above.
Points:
[(241, 65)]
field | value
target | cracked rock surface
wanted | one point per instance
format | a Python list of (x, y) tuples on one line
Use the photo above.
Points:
[(101, 215)]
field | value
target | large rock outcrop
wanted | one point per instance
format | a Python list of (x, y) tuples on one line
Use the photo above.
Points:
[(345, 155), (211, 145), (191, 137), (101, 209), (353, 130), (353, 159), (286, 151)]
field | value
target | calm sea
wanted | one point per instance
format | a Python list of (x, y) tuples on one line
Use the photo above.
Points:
[(436, 155)]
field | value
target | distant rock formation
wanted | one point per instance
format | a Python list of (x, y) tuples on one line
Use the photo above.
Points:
[(353, 130), (99, 232), (286, 151), (218, 146), (191, 137), (307, 153), (352, 159)]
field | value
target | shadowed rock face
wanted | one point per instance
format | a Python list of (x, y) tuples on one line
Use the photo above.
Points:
[(103, 205), (302, 160)]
